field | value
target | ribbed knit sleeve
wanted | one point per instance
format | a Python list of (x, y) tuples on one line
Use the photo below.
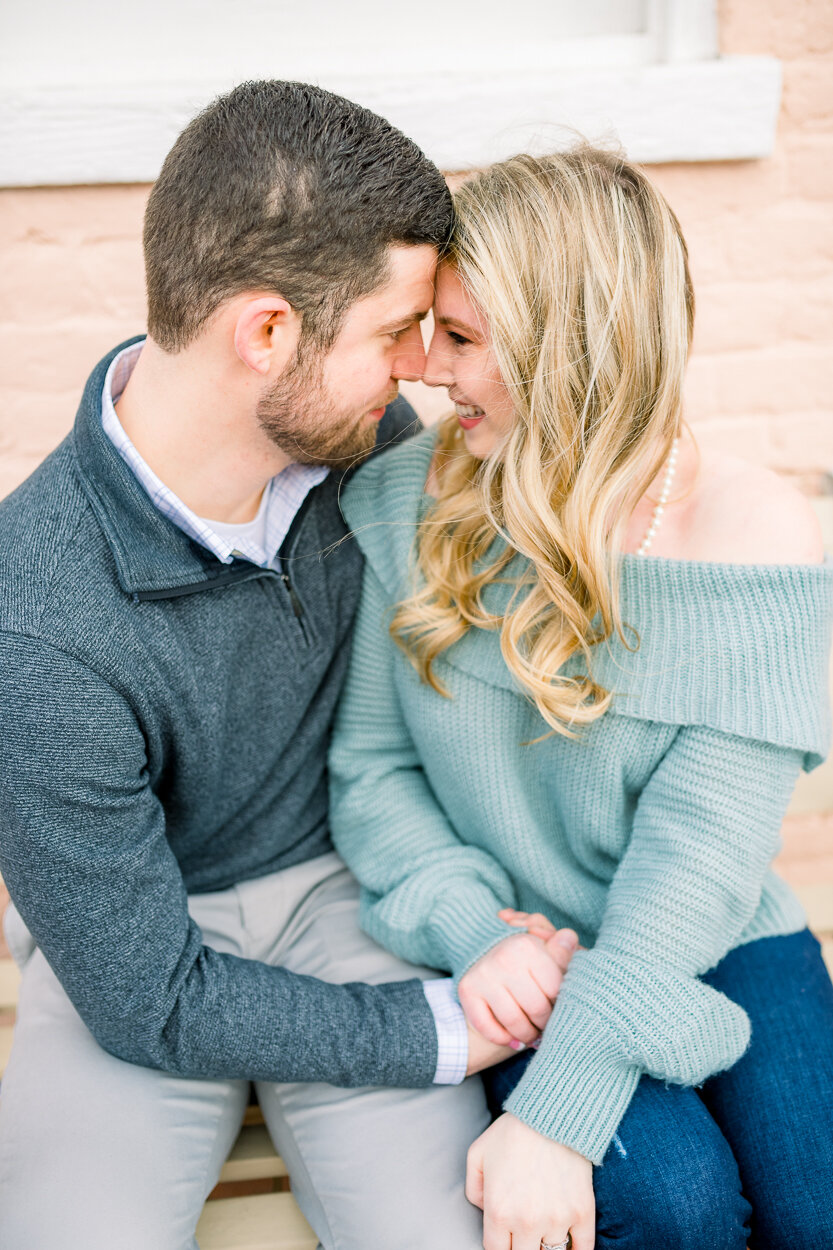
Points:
[(427, 895), (705, 830)]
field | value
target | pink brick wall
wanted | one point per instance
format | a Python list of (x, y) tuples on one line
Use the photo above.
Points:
[(760, 233), (71, 286), (761, 241)]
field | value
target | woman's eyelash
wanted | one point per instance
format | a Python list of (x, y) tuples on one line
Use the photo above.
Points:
[(459, 339)]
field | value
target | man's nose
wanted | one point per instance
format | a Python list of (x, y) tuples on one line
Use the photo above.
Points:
[(409, 361), (437, 365)]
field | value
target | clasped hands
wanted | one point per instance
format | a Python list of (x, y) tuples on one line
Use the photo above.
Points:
[(509, 992), (530, 1188)]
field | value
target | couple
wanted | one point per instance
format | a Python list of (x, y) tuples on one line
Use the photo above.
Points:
[(586, 670)]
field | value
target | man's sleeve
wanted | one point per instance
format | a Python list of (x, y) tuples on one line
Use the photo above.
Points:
[(85, 857)]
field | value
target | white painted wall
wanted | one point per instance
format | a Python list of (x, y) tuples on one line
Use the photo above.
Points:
[(91, 92), (82, 43)]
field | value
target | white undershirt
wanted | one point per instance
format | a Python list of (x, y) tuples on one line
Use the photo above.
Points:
[(246, 534)]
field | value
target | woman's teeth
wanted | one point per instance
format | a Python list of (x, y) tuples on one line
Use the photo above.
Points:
[(469, 416)]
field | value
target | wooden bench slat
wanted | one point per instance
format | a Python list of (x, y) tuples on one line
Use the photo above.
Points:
[(253, 1157), (6, 1032), (263, 1222), (9, 983)]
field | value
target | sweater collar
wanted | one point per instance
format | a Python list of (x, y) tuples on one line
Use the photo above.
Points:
[(741, 648), (151, 553)]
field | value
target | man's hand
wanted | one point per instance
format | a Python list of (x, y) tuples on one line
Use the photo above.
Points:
[(483, 1054), (530, 1189), (509, 993)]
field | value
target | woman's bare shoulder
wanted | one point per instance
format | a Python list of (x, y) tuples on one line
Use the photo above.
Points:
[(743, 513)]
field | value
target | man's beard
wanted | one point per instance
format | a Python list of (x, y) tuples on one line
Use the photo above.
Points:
[(300, 416)]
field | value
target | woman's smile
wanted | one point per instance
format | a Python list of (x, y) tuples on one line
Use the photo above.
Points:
[(468, 415)]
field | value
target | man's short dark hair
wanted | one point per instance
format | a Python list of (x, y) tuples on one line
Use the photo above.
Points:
[(284, 187)]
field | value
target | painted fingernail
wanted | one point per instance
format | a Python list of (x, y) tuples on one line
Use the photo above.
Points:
[(515, 1044)]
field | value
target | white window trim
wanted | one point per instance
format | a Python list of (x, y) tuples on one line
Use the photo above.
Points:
[(685, 30), (689, 105)]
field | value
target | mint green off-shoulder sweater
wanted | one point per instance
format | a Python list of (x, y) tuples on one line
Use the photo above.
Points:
[(652, 834)]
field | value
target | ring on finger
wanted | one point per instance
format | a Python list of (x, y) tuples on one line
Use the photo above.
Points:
[(557, 1245)]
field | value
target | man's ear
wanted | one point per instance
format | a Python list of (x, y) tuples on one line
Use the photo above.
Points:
[(266, 333)]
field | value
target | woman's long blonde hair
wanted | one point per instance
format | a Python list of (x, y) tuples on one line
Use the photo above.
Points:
[(581, 272)]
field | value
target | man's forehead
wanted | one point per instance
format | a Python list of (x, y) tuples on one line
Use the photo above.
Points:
[(408, 292), (410, 278)]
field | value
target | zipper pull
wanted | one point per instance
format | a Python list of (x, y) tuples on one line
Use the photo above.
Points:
[(293, 598)]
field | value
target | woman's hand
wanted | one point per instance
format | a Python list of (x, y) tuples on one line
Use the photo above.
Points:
[(509, 993), (533, 921), (530, 1189)]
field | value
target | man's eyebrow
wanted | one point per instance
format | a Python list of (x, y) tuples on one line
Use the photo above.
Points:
[(401, 323)]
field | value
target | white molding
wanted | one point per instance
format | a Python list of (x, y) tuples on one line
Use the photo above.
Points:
[(720, 109), (685, 30)]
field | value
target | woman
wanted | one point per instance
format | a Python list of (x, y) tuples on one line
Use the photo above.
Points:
[(588, 668)]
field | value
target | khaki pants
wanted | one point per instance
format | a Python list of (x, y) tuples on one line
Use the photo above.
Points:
[(98, 1154)]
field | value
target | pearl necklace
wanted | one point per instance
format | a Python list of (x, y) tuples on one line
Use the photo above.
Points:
[(670, 470)]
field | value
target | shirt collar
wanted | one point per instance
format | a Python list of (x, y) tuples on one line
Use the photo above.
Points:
[(286, 491), (153, 556)]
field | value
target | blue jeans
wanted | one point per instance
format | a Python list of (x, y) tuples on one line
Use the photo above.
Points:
[(747, 1158)]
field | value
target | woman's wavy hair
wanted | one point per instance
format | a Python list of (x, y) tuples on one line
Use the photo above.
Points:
[(580, 269)]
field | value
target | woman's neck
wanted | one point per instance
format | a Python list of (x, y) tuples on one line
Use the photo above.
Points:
[(659, 517)]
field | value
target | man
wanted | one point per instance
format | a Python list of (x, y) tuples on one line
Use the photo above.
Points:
[(175, 606)]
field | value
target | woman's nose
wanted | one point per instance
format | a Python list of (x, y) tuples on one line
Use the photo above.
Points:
[(437, 368)]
